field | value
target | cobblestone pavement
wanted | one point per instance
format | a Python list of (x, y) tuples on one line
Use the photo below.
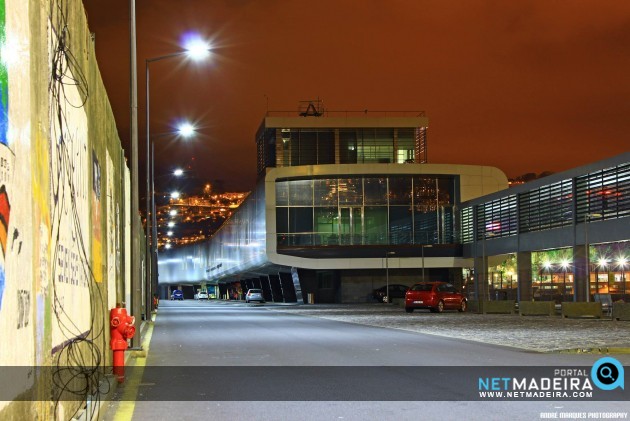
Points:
[(532, 333)]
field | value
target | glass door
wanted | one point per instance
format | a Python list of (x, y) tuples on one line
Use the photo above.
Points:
[(351, 225)]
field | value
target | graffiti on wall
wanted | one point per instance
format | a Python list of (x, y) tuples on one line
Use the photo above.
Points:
[(113, 234), (4, 126), (5, 211), (17, 295), (4, 83), (97, 250)]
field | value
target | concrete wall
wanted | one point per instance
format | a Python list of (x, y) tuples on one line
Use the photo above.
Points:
[(64, 232)]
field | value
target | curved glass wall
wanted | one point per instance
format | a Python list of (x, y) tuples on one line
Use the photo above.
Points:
[(365, 210)]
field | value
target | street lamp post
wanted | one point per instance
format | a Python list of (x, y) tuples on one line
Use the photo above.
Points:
[(196, 50), (601, 263), (422, 247), (565, 265), (622, 264), (136, 273), (387, 254), (588, 255)]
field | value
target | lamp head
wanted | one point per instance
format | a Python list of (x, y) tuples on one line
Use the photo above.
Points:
[(196, 48)]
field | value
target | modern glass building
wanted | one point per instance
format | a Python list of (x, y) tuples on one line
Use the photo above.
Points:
[(569, 233), (343, 204), (347, 203)]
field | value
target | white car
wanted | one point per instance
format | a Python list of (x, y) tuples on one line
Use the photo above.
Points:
[(254, 295), (202, 296)]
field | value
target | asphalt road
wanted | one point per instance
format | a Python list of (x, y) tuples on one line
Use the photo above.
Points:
[(235, 361)]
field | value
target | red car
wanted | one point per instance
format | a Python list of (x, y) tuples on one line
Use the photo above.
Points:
[(436, 296)]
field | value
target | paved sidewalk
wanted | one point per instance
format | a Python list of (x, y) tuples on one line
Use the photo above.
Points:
[(531, 333)]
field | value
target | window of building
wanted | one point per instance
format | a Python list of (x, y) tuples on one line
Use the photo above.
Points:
[(400, 225), (350, 191), (400, 191), (366, 210), (375, 191), (301, 193), (325, 192), (406, 146), (347, 146), (375, 225)]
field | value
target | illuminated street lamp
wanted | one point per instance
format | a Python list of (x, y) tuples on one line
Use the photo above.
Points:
[(547, 267), (587, 218), (175, 195), (622, 262), (387, 254), (602, 262), (184, 130), (565, 265), (196, 50), (423, 247)]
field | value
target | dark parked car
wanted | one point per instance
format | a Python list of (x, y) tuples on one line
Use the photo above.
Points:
[(436, 296), (177, 295), (395, 291)]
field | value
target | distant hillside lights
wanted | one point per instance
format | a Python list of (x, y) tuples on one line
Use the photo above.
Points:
[(187, 220)]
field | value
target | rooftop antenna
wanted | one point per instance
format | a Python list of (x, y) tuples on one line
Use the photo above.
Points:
[(311, 108)]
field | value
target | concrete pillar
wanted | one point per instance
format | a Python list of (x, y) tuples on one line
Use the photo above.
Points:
[(276, 288), (580, 274), (524, 270), (266, 287), (288, 288), (481, 278)]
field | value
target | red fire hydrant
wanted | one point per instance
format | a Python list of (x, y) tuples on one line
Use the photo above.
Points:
[(121, 328)]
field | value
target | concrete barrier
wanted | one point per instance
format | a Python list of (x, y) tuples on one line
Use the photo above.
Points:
[(621, 311), (498, 307), (474, 306), (537, 308), (582, 310)]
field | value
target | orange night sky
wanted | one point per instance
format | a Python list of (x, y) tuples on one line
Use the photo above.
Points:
[(525, 86)]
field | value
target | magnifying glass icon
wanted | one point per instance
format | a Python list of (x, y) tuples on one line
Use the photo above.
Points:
[(606, 373)]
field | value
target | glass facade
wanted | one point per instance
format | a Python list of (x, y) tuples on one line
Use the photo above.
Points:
[(597, 196), (546, 207), (314, 146), (365, 210)]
